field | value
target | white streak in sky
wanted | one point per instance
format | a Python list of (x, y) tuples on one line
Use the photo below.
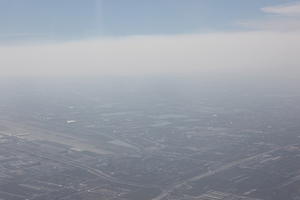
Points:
[(233, 53), (284, 10)]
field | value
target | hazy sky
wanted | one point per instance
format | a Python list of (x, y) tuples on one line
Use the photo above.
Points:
[(99, 37)]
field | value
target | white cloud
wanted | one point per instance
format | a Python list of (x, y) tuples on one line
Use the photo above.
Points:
[(279, 18), (232, 53), (284, 10)]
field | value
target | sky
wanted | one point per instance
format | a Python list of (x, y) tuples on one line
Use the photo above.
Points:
[(77, 19), (118, 37)]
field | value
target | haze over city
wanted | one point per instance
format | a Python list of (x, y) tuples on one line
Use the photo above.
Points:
[(149, 100)]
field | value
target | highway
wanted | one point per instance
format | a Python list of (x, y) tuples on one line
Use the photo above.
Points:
[(172, 188)]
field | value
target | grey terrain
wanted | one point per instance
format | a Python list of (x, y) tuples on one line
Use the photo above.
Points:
[(149, 139)]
